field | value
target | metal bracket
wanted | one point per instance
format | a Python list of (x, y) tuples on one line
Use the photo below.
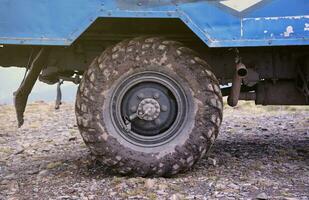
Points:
[(59, 95), (22, 93), (74, 79)]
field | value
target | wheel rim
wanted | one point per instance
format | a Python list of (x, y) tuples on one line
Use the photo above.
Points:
[(149, 108)]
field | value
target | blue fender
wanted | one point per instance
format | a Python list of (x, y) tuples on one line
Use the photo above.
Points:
[(219, 23)]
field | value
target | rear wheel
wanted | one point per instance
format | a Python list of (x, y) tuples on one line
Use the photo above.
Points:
[(149, 107)]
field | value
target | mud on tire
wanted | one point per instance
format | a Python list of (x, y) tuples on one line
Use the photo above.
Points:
[(200, 126)]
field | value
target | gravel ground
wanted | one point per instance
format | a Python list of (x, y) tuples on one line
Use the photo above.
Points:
[(261, 153)]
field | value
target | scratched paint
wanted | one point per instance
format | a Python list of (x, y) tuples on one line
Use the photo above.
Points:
[(289, 31), (276, 27), (306, 27), (277, 18)]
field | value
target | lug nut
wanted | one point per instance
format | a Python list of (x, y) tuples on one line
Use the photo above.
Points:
[(164, 108), (133, 109), (157, 121), (140, 95), (156, 95)]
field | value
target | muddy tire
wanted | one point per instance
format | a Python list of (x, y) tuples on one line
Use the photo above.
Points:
[(149, 107)]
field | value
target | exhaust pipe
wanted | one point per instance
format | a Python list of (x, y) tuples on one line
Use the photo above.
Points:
[(240, 73), (241, 70)]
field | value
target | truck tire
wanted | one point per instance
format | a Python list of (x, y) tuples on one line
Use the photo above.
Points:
[(149, 107)]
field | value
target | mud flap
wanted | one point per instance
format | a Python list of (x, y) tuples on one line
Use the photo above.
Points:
[(22, 93)]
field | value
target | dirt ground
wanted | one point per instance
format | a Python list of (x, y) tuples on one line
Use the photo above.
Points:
[(261, 153)]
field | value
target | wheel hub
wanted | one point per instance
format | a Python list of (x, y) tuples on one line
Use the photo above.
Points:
[(148, 109)]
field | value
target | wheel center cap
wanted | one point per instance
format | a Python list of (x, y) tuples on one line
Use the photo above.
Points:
[(148, 109)]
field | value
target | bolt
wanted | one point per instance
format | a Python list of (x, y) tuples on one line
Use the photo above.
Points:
[(133, 109), (164, 108), (140, 95), (156, 95), (157, 121)]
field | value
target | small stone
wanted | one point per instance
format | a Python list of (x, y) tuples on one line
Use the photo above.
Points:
[(189, 159), (112, 193), (63, 197), (212, 161), (10, 176), (262, 196), (19, 151), (161, 192), (73, 138), (177, 196), (91, 197), (220, 186), (246, 154), (233, 186), (46, 149), (194, 197), (150, 183), (53, 165), (33, 171), (2, 140), (60, 130), (163, 186), (43, 173)]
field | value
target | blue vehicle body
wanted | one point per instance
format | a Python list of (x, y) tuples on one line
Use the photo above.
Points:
[(218, 23)]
